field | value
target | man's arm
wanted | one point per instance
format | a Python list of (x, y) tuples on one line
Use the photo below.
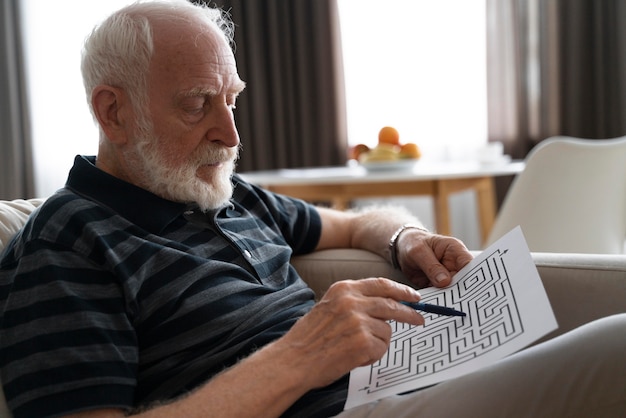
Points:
[(346, 329), (425, 258)]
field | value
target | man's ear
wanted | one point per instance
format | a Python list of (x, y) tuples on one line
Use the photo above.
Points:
[(111, 107)]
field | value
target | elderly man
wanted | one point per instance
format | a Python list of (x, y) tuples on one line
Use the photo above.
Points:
[(158, 283)]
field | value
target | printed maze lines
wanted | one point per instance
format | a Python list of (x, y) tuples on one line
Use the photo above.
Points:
[(492, 318)]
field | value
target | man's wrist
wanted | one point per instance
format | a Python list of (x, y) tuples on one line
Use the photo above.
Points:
[(393, 242)]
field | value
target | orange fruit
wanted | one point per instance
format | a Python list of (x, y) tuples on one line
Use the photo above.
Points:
[(410, 150), (389, 135), (357, 150)]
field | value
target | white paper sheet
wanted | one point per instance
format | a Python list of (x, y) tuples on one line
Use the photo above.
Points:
[(507, 309)]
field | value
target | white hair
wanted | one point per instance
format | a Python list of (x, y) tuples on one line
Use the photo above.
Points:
[(118, 50)]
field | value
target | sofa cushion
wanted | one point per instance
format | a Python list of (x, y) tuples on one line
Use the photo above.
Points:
[(13, 216)]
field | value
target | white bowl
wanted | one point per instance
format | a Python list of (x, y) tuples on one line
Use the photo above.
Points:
[(401, 164)]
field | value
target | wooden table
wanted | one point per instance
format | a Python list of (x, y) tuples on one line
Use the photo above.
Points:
[(340, 185)]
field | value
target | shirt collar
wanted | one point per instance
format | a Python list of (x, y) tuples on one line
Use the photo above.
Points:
[(138, 205)]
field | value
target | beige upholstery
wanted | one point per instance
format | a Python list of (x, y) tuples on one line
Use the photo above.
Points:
[(581, 287), (13, 215)]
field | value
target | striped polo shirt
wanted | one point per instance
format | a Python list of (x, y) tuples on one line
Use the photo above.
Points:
[(113, 297)]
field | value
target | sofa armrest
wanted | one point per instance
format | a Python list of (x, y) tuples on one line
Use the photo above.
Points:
[(581, 287), (320, 269)]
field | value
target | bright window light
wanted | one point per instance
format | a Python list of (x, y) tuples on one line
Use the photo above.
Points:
[(54, 32), (419, 66)]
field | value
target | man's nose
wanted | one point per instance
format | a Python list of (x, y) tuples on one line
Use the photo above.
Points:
[(225, 130)]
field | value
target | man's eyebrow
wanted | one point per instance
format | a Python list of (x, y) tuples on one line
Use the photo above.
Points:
[(238, 86), (197, 92), (235, 89)]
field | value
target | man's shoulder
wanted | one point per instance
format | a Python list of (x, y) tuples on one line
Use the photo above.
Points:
[(59, 210), (62, 219)]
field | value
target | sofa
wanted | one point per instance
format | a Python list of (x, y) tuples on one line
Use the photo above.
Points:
[(581, 287)]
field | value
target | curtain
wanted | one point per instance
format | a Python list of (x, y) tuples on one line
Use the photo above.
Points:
[(292, 113), (554, 67), (16, 168)]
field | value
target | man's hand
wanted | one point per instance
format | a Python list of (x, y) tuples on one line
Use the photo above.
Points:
[(426, 259), (429, 259), (348, 328)]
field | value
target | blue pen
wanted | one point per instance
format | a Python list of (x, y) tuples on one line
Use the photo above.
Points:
[(436, 309)]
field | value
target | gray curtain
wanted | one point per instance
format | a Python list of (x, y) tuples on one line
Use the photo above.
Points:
[(292, 113), (16, 167), (555, 67)]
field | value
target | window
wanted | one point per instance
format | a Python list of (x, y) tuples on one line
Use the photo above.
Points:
[(417, 65), (54, 32)]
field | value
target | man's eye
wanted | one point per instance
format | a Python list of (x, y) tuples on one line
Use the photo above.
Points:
[(195, 105), (194, 113)]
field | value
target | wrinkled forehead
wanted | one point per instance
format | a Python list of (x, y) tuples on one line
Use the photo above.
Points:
[(192, 55), (188, 44), (187, 34)]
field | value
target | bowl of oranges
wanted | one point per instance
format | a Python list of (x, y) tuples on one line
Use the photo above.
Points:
[(390, 153)]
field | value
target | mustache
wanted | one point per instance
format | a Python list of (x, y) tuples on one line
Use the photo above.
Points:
[(206, 153), (214, 153)]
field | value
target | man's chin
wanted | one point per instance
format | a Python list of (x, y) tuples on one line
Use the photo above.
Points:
[(207, 203), (214, 193)]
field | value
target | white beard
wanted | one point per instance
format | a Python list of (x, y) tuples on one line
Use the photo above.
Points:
[(182, 184)]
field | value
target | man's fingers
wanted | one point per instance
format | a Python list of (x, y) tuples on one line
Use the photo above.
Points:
[(438, 257), (382, 287), (378, 298)]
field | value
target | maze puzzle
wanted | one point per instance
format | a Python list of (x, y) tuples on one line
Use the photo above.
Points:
[(493, 318)]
